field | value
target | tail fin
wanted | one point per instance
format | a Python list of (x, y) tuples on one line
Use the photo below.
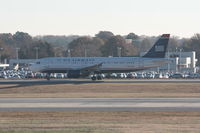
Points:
[(159, 48)]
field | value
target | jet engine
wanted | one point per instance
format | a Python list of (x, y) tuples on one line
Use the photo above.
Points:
[(77, 74)]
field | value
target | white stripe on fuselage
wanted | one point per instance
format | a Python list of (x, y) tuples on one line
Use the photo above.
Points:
[(108, 63)]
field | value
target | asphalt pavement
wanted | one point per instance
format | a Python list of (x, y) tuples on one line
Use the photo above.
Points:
[(87, 81), (100, 104)]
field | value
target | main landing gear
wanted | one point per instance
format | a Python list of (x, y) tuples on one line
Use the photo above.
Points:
[(48, 76), (96, 77)]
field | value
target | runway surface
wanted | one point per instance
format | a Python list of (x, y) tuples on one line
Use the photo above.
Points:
[(100, 104), (87, 81)]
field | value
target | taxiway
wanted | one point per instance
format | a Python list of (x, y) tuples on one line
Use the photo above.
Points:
[(87, 81), (100, 104)]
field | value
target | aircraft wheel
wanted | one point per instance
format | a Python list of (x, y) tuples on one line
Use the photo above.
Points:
[(94, 78), (48, 77), (99, 77)]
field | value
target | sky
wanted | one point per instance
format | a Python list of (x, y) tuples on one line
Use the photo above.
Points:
[(88, 17)]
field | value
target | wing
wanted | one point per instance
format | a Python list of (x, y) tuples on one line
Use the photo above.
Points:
[(95, 67)]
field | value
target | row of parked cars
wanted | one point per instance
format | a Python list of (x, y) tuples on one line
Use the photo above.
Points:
[(152, 75), (26, 74)]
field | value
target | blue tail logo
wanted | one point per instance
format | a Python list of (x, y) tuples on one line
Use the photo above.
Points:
[(159, 48)]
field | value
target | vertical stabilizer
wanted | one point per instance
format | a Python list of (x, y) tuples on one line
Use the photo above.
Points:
[(159, 48)]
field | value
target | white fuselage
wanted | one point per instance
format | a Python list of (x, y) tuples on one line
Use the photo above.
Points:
[(108, 64)]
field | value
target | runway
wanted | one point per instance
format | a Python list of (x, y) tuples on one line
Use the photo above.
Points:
[(88, 81), (100, 104)]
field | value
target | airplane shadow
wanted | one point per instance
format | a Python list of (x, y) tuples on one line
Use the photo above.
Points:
[(29, 83)]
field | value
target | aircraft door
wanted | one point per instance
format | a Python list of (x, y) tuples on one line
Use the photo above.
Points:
[(140, 63), (46, 64)]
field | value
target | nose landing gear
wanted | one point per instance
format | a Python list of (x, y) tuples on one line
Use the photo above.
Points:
[(96, 77), (48, 76)]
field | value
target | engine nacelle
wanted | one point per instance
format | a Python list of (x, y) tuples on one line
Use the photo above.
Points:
[(77, 74), (74, 74)]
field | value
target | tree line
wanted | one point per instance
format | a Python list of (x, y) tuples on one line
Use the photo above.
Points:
[(103, 44)]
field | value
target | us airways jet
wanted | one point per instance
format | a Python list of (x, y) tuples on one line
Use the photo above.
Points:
[(77, 67)]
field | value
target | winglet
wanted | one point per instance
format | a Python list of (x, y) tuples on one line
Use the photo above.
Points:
[(159, 48)]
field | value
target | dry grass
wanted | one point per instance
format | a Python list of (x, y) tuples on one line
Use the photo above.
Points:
[(102, 90), (100, 122)]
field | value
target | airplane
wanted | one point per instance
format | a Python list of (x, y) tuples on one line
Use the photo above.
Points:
[(77, 67)]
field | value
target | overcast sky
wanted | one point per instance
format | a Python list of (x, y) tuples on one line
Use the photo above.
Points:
[(88, 17)]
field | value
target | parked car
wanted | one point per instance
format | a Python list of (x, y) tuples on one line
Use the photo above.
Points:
[(193, 75), (150, 76), (158, 76), (121, 75), (59, 75), (165, 75), (113, 75), (131, 75), (39, 75), (140, 76), (177, 75)]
